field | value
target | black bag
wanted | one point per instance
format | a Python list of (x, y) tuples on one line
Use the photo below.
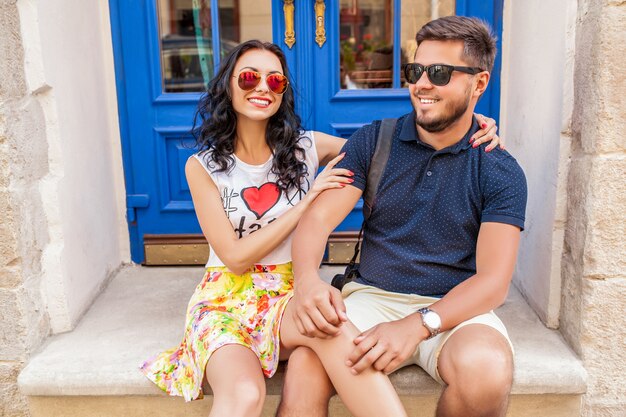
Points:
[(374, 174)]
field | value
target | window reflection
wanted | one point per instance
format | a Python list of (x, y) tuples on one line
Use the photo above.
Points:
[(186, 49), (415, 14), (242, 20), (186, 36), (366, 38), (366, 49)]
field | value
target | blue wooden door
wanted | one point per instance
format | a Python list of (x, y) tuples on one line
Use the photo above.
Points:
[(165, 52)]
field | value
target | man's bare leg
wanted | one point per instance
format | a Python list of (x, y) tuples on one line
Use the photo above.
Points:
[(477, 364), (307, 389), (355, 391)]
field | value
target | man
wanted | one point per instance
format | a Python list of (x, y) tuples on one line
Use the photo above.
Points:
[(439, 248)]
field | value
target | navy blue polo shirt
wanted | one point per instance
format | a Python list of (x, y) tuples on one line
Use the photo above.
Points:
[(421, 236)]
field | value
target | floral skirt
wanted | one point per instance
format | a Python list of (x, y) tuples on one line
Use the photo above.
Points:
[(225, 309)]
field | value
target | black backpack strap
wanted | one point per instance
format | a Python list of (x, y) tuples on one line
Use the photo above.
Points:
[(378, 164), (374, 174)]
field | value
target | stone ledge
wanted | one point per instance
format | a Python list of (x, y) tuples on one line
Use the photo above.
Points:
[(142, 312)]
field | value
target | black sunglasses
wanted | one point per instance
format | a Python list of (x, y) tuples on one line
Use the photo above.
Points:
[(438, 74)]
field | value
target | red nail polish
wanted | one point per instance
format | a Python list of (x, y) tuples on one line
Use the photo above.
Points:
[(351, 173), (350, 180), (471, 140), (475, 145), (484, 125)]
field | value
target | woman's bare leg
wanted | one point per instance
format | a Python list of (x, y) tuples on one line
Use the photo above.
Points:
[(368, 394), (238, 385)]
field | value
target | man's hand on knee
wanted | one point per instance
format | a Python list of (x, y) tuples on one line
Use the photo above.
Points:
[(386, 346), (319, 308)]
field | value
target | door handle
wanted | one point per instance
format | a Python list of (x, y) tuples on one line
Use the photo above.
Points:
[(320, 28), (290, 33)]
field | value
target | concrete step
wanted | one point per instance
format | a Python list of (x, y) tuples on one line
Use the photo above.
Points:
[(93, 370)]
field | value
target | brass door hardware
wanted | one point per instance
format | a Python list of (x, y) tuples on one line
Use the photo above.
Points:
[(175, 250), (290, 33), (320, 27)]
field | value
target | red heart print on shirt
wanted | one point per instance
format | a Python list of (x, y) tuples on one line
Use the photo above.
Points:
[(261, 199)]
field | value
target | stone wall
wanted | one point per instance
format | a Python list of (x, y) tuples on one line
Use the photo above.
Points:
[(594, 259), (23, 232)]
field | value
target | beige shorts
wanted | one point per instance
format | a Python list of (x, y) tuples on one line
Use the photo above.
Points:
[(368, 306)]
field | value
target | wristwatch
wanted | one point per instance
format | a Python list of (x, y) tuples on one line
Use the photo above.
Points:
[(431, 321)]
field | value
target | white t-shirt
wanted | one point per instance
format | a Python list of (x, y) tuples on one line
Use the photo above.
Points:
[(251, 198)]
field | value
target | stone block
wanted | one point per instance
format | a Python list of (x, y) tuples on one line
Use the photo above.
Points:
[(600, 87), (9, 372), (12, 76), (10, 278), (34, 314), (11, 328), (27, 134), (162, 406), (8, 230), (5, 155), (593, 409), (605, 252), (13, 403), (576, 228), (602, 338)]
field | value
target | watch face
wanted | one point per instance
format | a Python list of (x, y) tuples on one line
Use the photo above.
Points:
[(432, 320)]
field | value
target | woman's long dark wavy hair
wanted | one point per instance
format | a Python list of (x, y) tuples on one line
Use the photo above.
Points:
[(215, 123)]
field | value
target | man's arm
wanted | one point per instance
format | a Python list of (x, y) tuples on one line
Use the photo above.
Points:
[(496, 253), (319, 306), (387, 345)]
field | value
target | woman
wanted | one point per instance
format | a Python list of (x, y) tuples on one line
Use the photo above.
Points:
[(250, 184)]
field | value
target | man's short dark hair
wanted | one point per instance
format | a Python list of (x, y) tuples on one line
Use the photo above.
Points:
[(479, 41)]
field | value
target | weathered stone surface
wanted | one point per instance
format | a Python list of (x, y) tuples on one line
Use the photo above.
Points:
[(12, 403), (5, 159), (11, 329), (8, 231), (594, 261), (26, 133), (603, 336), (9, 371), (12, 78), (574, 246), (604, 410), (162, 406), (10, 277), (599, 87), (26, 151), (34, 314), (605, 251)]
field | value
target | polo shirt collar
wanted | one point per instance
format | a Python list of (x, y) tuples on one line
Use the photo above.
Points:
[(408, 133)]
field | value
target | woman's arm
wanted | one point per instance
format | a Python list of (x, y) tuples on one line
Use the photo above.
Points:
[(239, 254), (327, 146)]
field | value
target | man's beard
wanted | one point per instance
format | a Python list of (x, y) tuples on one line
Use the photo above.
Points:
[(452, 113)]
